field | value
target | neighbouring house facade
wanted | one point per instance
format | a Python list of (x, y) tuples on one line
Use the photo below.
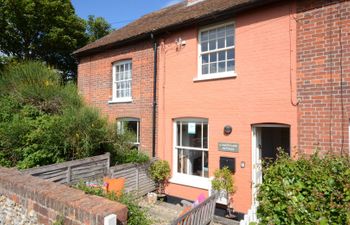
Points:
[(228, 83), (120, 83), (323, 75)]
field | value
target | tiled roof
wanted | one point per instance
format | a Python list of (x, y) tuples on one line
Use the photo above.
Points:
[(172, 16)]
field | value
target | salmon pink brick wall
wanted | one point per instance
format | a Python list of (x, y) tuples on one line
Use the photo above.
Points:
[(261, 92), (95, 85)]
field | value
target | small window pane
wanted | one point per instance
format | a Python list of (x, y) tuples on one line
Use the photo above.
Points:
[(183, 157), (213, 57), (230, 65), (191, 139), (222, 67), (205, 135), (131, 127), (204, 36), (206, 164), (122, 67), (229, 41), (196, 165), (212, 34), (178, 133), (230, 54), (205, 58), (222, 55), (221, 43), (204, 46), (212, 45), (229, 30), (213, 68), (205, 69), (180, 161), (221, 32)]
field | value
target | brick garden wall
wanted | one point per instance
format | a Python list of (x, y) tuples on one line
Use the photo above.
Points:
[(95, 85), (48, 201), (323, 62)]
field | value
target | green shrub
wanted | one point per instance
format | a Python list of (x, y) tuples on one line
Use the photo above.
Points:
[(131, 156), (223, 181), (43, 121), (136, 215), (160, 173), (310, 190)]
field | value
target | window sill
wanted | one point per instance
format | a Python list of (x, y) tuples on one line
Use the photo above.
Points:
[(120, 100), (215, 76), (192, 181)]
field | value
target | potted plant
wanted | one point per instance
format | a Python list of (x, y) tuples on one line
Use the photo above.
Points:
[(160, 173), (223, 183)]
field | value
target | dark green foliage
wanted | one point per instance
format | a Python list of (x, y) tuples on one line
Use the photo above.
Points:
[(44, 122), (310, 190), (46, 30), (136, 215), (133, 155), (97, 27)]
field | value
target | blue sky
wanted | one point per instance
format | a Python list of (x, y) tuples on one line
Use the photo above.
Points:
[(119, 12)]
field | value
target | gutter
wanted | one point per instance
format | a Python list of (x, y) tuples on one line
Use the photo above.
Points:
[(155, 63)]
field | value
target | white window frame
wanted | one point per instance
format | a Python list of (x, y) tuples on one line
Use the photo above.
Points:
[(186, 179), (130, 119), (116, 99), (218, 75)]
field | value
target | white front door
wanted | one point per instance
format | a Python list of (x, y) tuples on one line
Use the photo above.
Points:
[(256, 164)]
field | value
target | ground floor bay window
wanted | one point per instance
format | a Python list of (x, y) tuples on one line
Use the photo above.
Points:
[(190, 161)]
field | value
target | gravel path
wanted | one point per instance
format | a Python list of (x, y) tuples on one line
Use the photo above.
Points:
[(162, 213)]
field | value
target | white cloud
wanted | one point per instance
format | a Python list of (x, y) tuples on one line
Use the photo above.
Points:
[(171, 2)]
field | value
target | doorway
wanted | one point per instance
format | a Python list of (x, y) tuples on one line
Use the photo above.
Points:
[(266, 140)]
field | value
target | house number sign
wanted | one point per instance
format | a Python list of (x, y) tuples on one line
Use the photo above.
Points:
[(228, 147)]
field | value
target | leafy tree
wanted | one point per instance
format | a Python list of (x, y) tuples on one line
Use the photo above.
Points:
[(45, 30), (97, 27)]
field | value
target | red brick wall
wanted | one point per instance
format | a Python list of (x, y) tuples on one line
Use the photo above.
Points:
[(323, 113), (95, 85), (51, 201)]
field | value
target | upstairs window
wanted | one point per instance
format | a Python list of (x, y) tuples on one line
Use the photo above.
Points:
[(122, 81), (217, 51)]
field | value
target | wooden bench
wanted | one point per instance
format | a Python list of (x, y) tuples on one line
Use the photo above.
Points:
[(201, 214)]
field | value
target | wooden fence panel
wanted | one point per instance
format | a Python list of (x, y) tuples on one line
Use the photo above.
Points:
[(202, 214), (73, 171), (136, 177)]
